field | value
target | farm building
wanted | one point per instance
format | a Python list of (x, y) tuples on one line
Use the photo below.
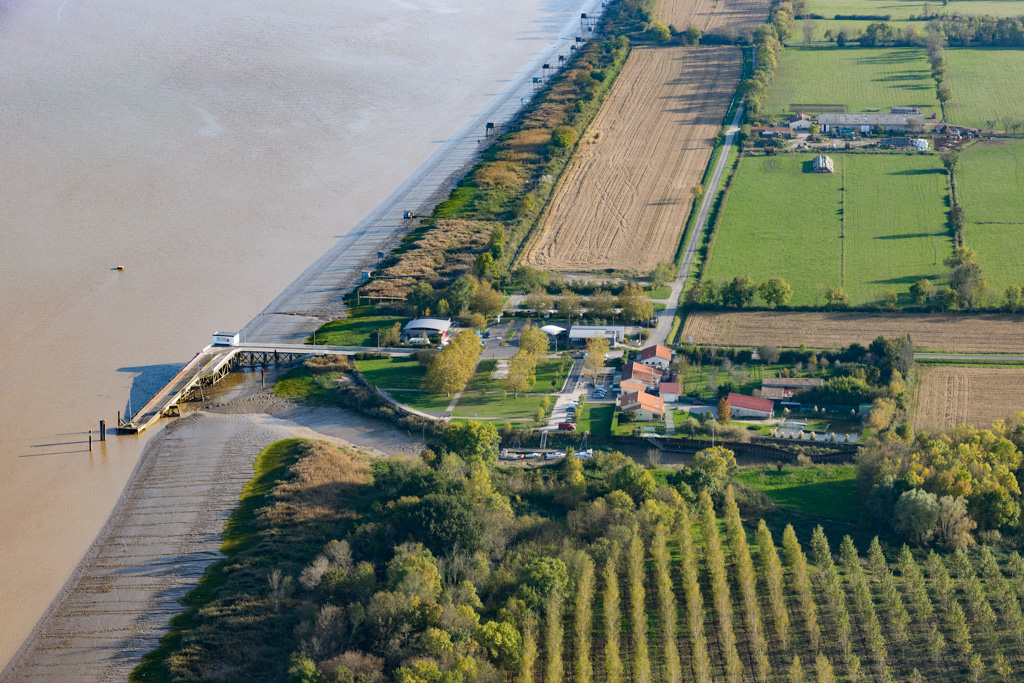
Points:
[(823, 164), (643, 406), (865, 123), (784, 388), (799, 122), (669, 391), (772, 131), (748, 406), (656, 355), (613, 333), (421, 328), (641, 373), (904, 110)]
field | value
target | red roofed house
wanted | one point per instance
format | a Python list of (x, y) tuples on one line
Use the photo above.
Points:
[(656, 355), (644, 406), (632, 385), (641, 373), (669, 391), (748, 406)]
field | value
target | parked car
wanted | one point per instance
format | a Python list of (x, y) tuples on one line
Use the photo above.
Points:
[(487, 335), (555, 455), (566, 427), (533, 456)]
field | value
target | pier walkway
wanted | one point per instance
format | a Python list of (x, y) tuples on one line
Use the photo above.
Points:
[(214, 362)]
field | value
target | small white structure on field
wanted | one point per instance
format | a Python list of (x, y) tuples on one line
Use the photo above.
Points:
[(823, 164), (921, 145), (552, 330)]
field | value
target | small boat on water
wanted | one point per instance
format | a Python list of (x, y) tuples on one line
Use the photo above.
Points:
[(118, 267)]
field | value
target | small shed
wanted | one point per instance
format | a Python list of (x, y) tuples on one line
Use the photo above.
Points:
[(669, 391), (226, 338), (823, 164)]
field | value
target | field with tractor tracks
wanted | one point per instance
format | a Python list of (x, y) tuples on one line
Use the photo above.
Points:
[(948, 396), (933, 332), (626, 195), (738, 17)]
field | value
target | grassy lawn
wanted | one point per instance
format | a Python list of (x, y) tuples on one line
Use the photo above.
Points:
[(482, 379), (991, 182), (659, 293), (988, 84), (300, 383), (895, 230), (596, 418), (421, 400), (358, 330), (498, 405), (823, 490), (860, 78), (695, 381), (550, 376), (392, 373)]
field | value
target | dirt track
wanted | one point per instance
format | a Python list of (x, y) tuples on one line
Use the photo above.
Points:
[(949, 396), (932, 332), (626, 195)]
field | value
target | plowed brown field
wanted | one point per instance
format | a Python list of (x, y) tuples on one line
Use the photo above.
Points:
[(625, 197), (956, 334), (736, 17), (949, 396)]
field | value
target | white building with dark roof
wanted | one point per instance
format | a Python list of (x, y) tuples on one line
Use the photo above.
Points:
[(865, 123)]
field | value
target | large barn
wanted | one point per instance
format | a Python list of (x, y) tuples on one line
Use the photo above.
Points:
[(865, 123)]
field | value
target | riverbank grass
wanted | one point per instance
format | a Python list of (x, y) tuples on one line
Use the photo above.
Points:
[(822, 491)]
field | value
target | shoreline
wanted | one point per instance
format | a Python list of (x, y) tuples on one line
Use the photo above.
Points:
[(166, 530), (293, 313)]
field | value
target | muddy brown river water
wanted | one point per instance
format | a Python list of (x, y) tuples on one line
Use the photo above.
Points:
[(213, 150)]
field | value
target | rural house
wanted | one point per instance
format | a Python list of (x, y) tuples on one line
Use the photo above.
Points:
[(669, 391), (657, 355), (748, 406), (822, 164), (643, 406), (641, 373), (799, 122), (632, 385), (865, 123), (785, 388)]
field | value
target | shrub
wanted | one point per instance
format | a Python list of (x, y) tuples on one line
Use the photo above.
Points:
[(564, 136)]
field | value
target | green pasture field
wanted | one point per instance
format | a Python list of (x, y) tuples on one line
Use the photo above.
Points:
[(895, 225), (860, 78), (508, 407), (988, 84), (990, 179), (902, 9), (823, 490), (421, 400)]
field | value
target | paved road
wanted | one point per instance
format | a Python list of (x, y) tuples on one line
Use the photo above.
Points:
[(660, 334)]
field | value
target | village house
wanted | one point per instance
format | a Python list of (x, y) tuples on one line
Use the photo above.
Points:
[(631, 385), (644, 374), (748, 406), (785, 388), (657, 356), (799, 122), (644, 407)]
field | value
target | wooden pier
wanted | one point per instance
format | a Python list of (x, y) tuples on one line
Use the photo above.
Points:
[(214, 363)]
